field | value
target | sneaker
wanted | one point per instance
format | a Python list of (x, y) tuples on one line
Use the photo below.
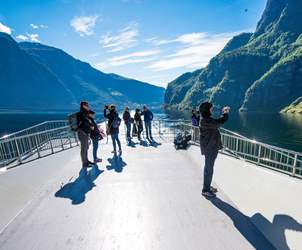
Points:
[(213, 190), (113, 152), (120, 151), (90, 163), (208, 194)]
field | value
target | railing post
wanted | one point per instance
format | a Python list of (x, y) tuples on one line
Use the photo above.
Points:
[(69, 139), (237, 145), (37, 146), (76, 138), (295, 165), (18, 151), (259, 154), (62, 144)]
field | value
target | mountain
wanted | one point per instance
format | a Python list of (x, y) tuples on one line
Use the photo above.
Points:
[(260, 71), (37, 76), (294, 108), (23, 80)]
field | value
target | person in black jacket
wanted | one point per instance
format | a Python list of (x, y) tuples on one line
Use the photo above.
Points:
[(210, 143), (138, 124), (84, 129), (113, 126), (148, 117), (127, 121), (95, 136)]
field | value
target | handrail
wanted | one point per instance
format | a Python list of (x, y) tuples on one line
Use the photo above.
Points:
[(54, 136)]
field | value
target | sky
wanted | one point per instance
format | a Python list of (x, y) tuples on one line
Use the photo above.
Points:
[(150, 40)]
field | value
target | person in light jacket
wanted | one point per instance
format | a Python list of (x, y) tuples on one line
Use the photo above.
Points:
[(210, 143)]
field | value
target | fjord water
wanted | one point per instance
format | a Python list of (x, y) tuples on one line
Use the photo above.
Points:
[(283, 130)]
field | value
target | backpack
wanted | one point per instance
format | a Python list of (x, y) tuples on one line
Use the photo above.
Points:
[(116, 122), (181, 140), (72, 121), (195, 121)]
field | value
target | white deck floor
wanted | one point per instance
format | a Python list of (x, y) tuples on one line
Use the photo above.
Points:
[(147, 199)]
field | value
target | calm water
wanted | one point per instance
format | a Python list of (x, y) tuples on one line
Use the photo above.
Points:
[(276, 129), (283, 130)]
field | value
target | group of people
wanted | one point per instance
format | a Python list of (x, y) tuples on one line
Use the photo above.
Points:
[(87, 128), (210, 138)]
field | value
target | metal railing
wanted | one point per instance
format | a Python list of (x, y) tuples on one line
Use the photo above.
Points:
[(265, 155), (53, 136), (36, 142)]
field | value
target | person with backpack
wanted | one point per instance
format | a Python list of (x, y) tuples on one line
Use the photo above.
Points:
[(210, 143), (127, 120), (148, 117), (113, 126), (138, 124), (95, 136), (84, 128), (195, 118)]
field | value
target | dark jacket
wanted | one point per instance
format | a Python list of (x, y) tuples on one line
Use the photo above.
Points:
[(138, 121), (110, 116), (84, 122), (148, 115), (210, 138), (95, 133), (126, 117)]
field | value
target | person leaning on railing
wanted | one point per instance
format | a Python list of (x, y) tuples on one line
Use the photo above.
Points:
[(210, 143)]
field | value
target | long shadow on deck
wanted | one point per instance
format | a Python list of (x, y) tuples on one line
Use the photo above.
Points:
[(76, 190), (244, 225)]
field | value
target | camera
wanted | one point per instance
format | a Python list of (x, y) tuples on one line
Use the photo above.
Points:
[(106, 106)]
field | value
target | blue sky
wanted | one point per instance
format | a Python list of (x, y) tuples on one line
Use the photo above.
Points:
[(149, 40)]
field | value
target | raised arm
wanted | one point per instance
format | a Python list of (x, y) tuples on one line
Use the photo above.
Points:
[(214, 123)]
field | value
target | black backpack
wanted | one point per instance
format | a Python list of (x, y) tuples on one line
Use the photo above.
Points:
[(181, 140), (72, 121)]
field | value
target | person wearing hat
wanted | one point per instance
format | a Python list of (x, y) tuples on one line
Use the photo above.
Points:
[(210, 143)]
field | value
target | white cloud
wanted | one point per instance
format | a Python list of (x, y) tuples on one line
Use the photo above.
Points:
[(5, 29), (29, 37), (84, 25), (33, 37), (136, 57), (126, 38), (38, 26), (22, 37), (196, 51)]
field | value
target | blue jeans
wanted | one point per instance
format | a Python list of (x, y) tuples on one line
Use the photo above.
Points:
[(115, 140), (95, 145), (128, 130), (148, 129), (208, 170)]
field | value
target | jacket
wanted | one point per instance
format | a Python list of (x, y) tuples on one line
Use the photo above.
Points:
[(210, 138), (148, 115), (95, 133), (126, 117), (84, 123), (110, 116)]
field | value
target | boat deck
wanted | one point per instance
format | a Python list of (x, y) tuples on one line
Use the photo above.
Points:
[(148, 198)]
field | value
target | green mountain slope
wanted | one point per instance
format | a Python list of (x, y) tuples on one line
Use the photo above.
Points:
[(258, 72)]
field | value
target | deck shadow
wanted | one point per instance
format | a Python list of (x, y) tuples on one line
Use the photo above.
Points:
[(76, 190), (116, 163), (244, 225)]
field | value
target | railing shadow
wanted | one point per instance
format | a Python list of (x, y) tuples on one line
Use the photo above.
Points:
[(116, 163), (76, 190), (244, 225)]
